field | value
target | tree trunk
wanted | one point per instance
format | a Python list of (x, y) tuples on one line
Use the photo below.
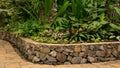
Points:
[(53, 11), (2, 17), (111, 13)]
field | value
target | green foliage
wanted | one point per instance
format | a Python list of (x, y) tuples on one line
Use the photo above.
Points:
[(117, 10), (76, 20), (60, 24), (114, 27), (62, 9), (28, 28), (48, 6)]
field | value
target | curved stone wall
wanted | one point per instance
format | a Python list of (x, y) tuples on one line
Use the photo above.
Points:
[(44, 53)]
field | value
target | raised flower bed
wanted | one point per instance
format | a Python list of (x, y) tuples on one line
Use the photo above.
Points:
[(44, 53)]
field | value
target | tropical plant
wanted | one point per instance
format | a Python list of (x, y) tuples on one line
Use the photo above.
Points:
[(68, 21)]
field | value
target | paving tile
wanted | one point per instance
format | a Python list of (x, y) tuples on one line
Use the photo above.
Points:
[(117, 62), (31, 66), (25, 63), (102, 65), (69, 66), (10, 50), (12, 54), (88, 66), (8, 47), (12, 65), (1, 46), (47, 66), (3, 43), (2, 59), (2, 65), (13, 58), (2, 51), (115, 65)]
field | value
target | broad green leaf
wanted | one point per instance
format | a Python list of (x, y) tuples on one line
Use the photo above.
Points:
[(102, 16), (117, 10), (118, 38), (28, 12), (59, 28), (48, 6), (111, 37), (103, 22), (72, 18), (115, 27), (93, 26), (96, 25), (82, 35), (62, 9)]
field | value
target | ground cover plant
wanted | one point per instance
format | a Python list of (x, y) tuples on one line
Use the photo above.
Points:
[(66, 21)]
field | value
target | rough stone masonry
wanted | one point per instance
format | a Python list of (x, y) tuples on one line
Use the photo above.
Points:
[(55, 54)]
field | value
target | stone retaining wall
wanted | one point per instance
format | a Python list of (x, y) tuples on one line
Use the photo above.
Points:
[(44, 53)]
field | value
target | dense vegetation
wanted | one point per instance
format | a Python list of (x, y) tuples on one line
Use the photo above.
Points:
[(62, 21)]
